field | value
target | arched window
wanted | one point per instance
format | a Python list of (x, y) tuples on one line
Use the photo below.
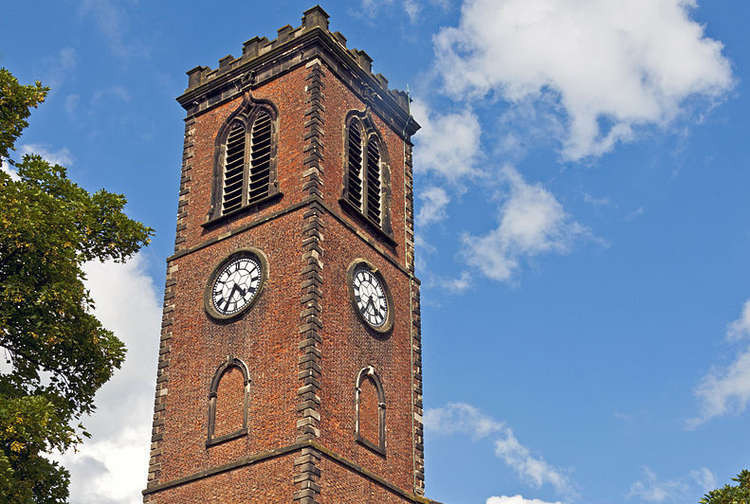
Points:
[(367, 178), (369, 404), (228, 402), (245, 172)]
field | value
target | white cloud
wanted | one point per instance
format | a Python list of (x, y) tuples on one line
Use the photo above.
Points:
[(516, 499), (4, 166), (57, 68), (71, 103), (61, 156), (111, 466), (651, 489), (458, 284), (447, 144), (611, 65), (740, 328), (111, 18), (432, 207), (534, 470), (412, 8), (118, 92), (704, 478), (462, 418), (531, 222), (726, 390)]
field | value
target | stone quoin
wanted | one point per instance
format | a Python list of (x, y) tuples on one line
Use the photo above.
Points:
[(290, 366)]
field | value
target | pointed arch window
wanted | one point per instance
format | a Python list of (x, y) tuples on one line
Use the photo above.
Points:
[(367, 175), (369, 404), (228, 401), (245, 164)]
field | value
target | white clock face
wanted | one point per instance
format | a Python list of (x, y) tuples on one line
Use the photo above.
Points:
[(236, 285), (369, 297)]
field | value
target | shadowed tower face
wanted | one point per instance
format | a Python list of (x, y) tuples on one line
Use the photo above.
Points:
[(290, 358)]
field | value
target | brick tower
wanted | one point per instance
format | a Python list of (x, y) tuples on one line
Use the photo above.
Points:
[(290, 357)]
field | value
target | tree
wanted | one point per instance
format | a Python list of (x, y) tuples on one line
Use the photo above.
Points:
[(731, 494), (54, 353)]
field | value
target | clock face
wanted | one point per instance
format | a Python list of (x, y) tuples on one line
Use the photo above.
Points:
[(369, 297), (236, 285)]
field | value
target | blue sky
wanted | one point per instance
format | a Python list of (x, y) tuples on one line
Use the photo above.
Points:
[(583, 224)]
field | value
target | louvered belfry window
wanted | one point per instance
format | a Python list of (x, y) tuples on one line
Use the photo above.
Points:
[(364, 181), (248, 157), (234, 168)]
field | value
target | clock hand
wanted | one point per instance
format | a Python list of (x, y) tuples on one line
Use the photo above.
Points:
[(229, 297)]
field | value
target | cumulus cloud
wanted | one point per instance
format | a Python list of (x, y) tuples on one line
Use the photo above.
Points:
[(448, 144), (652, 489), (433, 201), (111, 466), (462, 418), (726, 390), (531, 222), (516, 499), (610, 65)]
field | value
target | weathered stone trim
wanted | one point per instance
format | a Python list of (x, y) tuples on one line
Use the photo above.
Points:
[(310, 454), (415, 328), (188, 151), (308, 202), (237, 464), (162, 377), (306, 472), (352, 466)]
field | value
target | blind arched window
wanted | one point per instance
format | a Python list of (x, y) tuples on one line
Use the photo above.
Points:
[(228, 401), (369, 402)]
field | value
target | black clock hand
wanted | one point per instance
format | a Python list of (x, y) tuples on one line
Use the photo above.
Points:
[(229, 297)]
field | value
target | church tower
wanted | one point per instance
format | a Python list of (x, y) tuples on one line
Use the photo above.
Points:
[(290, 357)]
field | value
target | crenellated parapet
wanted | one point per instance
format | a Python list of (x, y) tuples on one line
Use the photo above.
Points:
[(263, 60)]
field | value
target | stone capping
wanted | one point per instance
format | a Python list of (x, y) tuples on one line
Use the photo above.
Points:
[(312, 448)]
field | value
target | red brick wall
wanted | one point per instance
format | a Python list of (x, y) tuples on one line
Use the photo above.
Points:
[(266, 337)]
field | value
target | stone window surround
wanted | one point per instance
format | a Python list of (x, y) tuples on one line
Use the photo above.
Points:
[(246, 112), (228, 364), (383, 228), (369, 372)]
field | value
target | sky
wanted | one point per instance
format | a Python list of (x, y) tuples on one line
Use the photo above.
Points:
[(583, 225)]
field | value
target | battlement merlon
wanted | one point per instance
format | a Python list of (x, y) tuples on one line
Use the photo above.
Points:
[(263, 60)]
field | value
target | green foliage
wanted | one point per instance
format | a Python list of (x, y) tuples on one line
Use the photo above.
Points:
[(731, 494), (57, 353), (16, 102)]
